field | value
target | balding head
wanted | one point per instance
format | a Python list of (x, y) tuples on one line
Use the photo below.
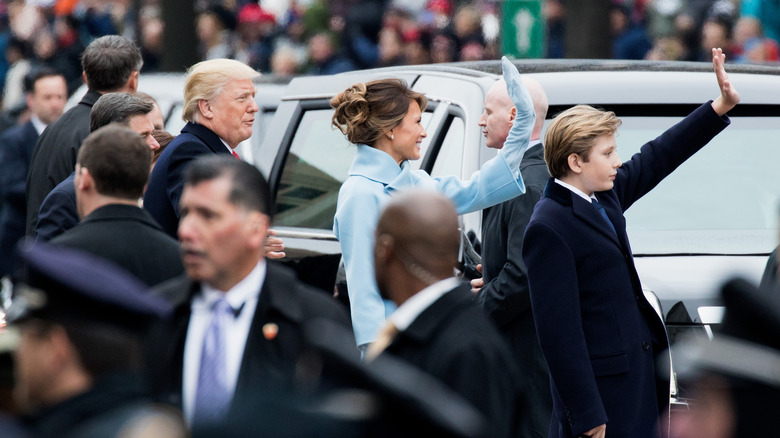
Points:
[(499, 112), (417, 242)]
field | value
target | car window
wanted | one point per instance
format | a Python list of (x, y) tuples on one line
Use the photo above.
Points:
[(315, 167), (449, 160), (723, 200)]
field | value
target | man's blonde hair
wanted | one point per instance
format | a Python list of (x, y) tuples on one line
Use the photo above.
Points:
[(575, 131), (207, 78)]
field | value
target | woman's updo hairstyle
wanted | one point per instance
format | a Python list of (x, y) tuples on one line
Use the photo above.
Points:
[(367, 111)]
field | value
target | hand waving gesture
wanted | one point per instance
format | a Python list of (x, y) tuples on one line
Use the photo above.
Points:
[(729, 97)]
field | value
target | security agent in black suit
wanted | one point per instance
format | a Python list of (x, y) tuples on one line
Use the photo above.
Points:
[(437, 326), (736, 374), (58, 211), (47, 94), (111, 171), (110, 64), (503, 289), (225, 214), (81, 324)]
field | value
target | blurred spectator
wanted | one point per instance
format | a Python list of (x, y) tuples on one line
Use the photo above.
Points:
[(285, 62), (213, 29), (767, 12), (416, 50), (255, 30), (17, 53), (390, 48), (629, 40), (667, 49), (151, 34), (46, 95), (716, 32), (467, 27), (750, 46), (554, 14), (746, 29), (442, 48), (324, 56)]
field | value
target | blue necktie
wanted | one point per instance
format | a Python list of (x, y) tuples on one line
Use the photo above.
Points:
[(212, 398), (604, 214)]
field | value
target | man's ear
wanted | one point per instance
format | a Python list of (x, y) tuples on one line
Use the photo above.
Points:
[(132, 82), (205, 109), (512, 114), (85, 181), (260, 224), (383, 248)]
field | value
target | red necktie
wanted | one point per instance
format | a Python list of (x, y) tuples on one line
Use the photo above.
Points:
[(235, 155)]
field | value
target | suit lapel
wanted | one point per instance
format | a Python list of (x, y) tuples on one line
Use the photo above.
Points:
[(265, 356), (581, 209), (207, 136)]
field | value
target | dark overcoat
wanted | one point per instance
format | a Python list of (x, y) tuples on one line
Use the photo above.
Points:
[(599, 334), (454, 341), (167, 180), (127, 236), (505, 295), (54, 156)]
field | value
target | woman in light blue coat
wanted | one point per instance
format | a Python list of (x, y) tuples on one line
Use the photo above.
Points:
[(382, 118)]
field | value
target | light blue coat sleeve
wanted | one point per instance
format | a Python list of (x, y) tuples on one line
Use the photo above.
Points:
[(360, 202)]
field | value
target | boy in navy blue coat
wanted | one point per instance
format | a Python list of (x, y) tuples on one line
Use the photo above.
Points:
[(597, 331)]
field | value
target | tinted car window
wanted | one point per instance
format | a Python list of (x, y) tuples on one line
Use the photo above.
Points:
[(316, 165), (450, 157), (723, 200)]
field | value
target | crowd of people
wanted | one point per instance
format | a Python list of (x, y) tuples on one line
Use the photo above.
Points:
[(146, 301), (293, 37)]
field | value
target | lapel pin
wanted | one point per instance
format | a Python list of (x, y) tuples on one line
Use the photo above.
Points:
[(270, 331)]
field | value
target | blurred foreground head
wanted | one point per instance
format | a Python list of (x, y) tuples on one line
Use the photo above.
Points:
[(737, 373)]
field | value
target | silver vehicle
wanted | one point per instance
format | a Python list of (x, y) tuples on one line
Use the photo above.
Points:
[(714, 217)]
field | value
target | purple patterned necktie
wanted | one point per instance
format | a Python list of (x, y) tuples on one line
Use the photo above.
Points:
[(212, 398)]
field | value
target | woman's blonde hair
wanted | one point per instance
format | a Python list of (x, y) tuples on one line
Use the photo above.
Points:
[(207, 78), (575, 131), (366, 111)]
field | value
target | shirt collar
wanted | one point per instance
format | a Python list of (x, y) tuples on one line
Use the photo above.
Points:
[(37, 124), (405, 315), (243, 291), (576, 191), (226, 145)]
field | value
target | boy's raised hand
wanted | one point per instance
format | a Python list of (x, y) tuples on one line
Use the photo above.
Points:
[(729, 97)]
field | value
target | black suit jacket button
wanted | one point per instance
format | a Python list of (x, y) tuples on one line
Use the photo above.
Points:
[(645, 345)]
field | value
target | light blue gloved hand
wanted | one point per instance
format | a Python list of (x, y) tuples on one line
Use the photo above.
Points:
[(520, 134)]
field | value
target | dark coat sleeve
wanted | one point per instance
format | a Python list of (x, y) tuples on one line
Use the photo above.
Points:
[(58, 213), (506, 295)]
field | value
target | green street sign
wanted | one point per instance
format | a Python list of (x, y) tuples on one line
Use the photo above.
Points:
[(522, 29)]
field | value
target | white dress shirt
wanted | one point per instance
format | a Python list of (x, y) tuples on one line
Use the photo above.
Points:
[(576, 191), (37, 124), (243, 295), (405, 315)]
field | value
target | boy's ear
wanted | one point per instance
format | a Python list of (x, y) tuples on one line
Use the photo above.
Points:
[(575, 163), (512, 114)]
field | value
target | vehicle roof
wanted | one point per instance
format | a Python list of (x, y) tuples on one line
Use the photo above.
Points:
[(572, 81)]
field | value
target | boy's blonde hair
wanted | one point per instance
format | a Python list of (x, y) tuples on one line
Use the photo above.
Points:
[(574, 131)]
